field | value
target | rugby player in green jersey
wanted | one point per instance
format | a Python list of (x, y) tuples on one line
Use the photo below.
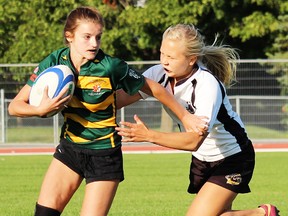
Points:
[(90, 147)]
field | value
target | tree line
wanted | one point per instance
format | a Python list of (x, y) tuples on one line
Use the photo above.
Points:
[(31, 29)]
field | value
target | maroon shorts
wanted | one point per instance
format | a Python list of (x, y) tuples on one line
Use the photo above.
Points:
[(233, 173)]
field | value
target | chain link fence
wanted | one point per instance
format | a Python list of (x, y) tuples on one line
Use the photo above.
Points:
[(257, 96)]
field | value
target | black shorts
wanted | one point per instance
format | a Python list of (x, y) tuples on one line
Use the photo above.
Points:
[(93, 165), (233, 173)]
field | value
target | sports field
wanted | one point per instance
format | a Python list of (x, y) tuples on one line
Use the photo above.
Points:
[(155, 184)]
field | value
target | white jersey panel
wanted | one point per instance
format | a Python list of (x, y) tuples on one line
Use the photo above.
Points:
[(207, 101)]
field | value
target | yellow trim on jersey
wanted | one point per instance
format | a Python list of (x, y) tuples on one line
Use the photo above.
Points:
[(80, 140), (89, 82), (112, 141), (110, 122), (92, 107)]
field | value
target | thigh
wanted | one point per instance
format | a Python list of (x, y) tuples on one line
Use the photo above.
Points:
[(211, 200), (59, 185), (98, 197)]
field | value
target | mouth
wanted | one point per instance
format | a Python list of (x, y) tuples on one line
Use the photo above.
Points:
[(167, 71), (93, 51)]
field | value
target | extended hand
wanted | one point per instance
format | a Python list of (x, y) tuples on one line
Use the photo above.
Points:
[(197, 124), (133, 132)]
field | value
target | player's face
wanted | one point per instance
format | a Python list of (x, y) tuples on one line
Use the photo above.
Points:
[(174, 60), (86, 40)]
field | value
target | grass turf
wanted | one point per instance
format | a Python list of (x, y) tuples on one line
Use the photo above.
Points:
[(155, 185)]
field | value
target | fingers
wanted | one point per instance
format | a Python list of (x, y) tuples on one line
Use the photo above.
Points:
[(127, 124), (63, 92), (137, 119), (64, 101), (45, 92), (205, 118), (125, 132)]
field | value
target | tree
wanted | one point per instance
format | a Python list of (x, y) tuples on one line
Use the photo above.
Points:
[(133, 32), (138, 31)]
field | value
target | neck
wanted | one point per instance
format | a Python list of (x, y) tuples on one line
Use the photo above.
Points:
[(193, 71)]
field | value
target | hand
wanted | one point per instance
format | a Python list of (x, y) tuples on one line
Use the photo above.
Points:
[(197, 124), (57, 103), (133, 132)]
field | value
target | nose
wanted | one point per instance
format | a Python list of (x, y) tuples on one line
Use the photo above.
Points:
[(163, 60), (94, 42)]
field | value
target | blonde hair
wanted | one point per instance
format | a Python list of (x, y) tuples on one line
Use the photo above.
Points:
[(219, 60)]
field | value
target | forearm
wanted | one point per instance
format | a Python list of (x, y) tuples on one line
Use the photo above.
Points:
[(124, 99), (187, 141), (166, 98), (22, 109), (20, 106)]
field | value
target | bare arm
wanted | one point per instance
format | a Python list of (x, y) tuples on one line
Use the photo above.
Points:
[(190, 122), (123, 99), (20, 106), (138, 132)]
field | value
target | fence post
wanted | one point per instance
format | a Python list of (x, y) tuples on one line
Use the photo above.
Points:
[(2, 110), (238, 105), (56, 129), (122, 114)]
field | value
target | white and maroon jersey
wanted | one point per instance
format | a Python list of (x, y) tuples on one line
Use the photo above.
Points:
[(204, 95)]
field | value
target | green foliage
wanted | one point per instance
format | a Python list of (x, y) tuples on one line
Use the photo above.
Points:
[(134, 33), (31, 29), (279, 50), (255, 25)]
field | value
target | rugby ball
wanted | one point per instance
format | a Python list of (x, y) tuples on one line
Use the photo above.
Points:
[(56, 78)]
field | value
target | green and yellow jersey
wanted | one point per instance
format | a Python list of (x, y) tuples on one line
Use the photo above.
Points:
[(90, 118)]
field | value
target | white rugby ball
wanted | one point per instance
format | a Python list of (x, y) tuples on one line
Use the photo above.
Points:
[(56, 78)]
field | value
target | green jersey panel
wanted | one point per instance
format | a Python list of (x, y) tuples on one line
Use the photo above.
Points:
[(90, 118)]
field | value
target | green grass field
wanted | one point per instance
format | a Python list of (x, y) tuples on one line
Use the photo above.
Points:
[(155, 185)]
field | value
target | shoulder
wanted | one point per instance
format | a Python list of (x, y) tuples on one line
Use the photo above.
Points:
[(56, 57), (108, 61), (208, 84), (155, 72), (206, 77), (59, 56), (62, 53), (155, 69)]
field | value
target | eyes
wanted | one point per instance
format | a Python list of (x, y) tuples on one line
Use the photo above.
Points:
[(168, 57), (88, 37)]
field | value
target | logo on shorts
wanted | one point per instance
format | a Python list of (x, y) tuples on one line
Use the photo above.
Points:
[(234, 179)]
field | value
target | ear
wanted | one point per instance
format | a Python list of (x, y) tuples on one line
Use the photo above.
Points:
[(68, 36), (193, 60)]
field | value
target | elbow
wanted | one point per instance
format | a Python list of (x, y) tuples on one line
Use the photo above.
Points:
[(10, 110), (196, 143), (191, 147), (196, 147)]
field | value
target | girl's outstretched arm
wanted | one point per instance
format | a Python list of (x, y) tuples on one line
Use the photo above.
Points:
[(139, 132)]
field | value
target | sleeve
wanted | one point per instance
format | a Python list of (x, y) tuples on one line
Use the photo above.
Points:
[(49, 61), (149, 74), (153, 74), (208, 100), (125, 77)]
